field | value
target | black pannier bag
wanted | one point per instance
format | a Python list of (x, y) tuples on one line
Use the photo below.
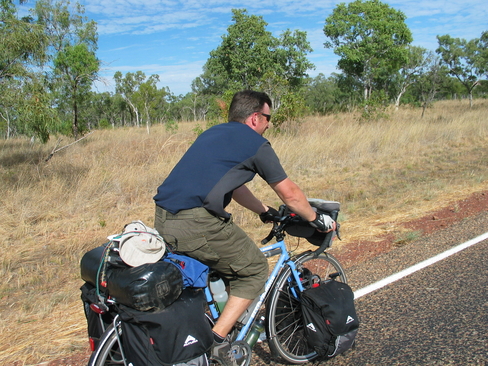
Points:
[(180, 333), (151, 286), (97, 323), (330, 318)]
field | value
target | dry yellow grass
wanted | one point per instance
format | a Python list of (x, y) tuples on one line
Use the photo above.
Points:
[(52, 212)]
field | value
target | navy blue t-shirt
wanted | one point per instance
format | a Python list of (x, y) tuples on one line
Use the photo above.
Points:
[(222, 159)]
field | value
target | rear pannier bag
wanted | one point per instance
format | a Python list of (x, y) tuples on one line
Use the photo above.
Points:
[(97, 323), (180, 333), (330, 318)]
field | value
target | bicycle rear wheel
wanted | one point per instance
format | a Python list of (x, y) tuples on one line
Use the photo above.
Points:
[(283, 312), (108, 351)]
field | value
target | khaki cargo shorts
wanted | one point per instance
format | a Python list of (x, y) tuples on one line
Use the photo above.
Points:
[(218, 243)]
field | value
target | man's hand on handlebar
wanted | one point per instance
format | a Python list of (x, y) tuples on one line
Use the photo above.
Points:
[(323, 223), (269, 216)]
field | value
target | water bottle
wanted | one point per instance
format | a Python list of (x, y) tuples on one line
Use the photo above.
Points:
[(256, 330), (247, 313), (220, 296)]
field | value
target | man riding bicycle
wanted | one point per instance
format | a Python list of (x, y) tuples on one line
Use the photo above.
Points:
[(190, 204)]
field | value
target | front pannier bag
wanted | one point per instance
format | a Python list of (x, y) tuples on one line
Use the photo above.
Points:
[(330, 318), (180, 333)]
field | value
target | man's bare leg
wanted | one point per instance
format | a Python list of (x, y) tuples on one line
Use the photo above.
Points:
[(233, 309)]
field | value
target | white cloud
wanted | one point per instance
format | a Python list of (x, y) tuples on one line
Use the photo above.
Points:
[(181, 33)]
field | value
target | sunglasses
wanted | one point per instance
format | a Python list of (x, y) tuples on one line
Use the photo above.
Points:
[(268, 116)]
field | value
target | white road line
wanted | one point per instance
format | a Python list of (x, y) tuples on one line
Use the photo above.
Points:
[(395, 277)]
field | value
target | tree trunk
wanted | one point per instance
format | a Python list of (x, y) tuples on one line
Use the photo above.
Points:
[(7, 119), (397, 101), (134, 109), (75, 119), (148, 120)]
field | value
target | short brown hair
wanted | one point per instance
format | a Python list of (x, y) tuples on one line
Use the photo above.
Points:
[(245, 103)]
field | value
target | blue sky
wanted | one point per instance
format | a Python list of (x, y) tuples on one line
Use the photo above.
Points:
[(173, 38)]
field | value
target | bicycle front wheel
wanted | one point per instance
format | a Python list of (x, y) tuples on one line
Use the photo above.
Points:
[(283, 310), (108, 351)]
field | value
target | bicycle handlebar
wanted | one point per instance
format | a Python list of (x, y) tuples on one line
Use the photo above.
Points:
[(281, 222)]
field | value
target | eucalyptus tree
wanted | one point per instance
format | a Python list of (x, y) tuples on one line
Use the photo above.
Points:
[(127, 86), (65, 24), (147, 96), (482, 59), (430, 81), (238, 62), (38, 118), (466, 60), (72, 45), (145, 100), (323, 95), (250, 57), (22, 50), (417, 64), (75, 67), (23, 43), (198, 102), (291, 62), (11, 98), (248, 52), (370, 38)]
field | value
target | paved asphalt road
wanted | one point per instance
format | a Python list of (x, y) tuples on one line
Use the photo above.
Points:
[(436, 316)]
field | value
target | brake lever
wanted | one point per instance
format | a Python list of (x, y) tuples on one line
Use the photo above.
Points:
[(268, 238), (278, 224)]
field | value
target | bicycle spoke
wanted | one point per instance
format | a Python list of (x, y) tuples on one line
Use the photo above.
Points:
[(288, 322), (288, 326)]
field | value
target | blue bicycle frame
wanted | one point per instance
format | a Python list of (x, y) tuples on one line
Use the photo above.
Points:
[(284, 259)]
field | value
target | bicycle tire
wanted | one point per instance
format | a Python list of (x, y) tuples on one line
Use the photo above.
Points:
[(283, 313)]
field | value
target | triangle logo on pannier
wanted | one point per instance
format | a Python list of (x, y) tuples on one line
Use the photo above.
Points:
[(189, 341)]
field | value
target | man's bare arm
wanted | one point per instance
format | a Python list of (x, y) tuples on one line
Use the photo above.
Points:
[(245, 198), (294, 198)]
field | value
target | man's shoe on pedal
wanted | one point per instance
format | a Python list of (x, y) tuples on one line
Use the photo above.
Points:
[(224, 354)]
